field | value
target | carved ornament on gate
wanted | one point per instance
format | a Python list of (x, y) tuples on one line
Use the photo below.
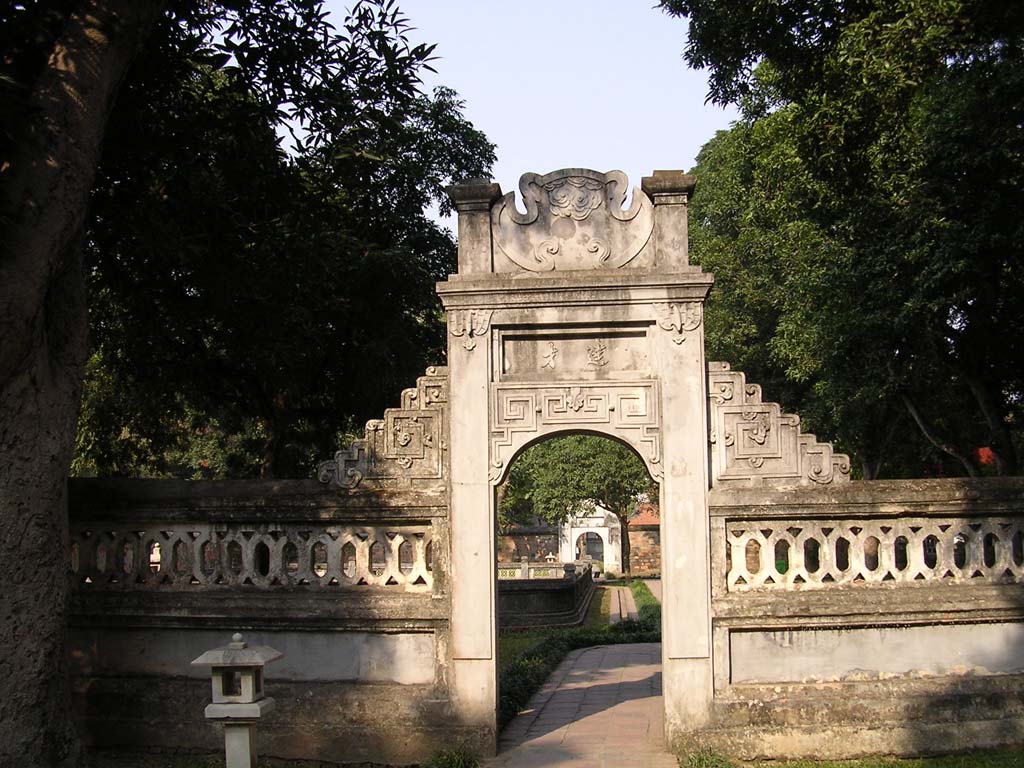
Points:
[(630, 410), (574, 220)]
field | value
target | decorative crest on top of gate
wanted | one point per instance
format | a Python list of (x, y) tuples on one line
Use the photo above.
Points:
[(574, 220)]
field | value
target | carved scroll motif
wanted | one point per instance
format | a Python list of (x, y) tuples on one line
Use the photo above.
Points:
[(574, 220), (469, 325), (628, 410), (406, 446), (679, 319), (754, 443)]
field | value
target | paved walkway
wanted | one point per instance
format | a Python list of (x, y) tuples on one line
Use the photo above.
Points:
[(655, 586), (601, 708), (622, 605)]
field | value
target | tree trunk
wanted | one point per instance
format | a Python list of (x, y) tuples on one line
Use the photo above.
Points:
[(999, 432), (46, 185), (627, 568), (939, 442), (276, 425)]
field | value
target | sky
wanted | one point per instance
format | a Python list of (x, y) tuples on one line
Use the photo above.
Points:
[(595, 84)]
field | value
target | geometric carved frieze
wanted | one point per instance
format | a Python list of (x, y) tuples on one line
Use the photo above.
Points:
[(574, 220), (754, 443), (407, 445), (521, 412)]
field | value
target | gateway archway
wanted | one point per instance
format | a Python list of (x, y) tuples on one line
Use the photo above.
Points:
[(578, 315)]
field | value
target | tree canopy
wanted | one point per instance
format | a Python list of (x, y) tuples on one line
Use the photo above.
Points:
[(260, 260), (237, 192), (860, 220)]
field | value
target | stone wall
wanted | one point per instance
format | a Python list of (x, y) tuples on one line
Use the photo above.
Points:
[(559, 602), (866, 618), (352, 587), (534, 544), (645, 549)]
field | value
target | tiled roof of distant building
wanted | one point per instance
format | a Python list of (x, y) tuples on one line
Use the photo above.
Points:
[(646, 514)]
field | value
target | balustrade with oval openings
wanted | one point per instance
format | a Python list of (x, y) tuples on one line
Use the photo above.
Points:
[(202, 555), (816, 554)]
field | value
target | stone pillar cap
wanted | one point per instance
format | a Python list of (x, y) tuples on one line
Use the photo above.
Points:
[(470, 193), (668, 183)]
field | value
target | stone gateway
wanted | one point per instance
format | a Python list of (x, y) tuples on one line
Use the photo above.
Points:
[(803, 614)]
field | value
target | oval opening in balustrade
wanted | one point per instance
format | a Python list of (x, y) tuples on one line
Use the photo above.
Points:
[(1018, 548), (871, 553), (901, 557), (290, 555), (154, 556), (182, 558), (782, 556), (842, 554), (430, 555), (930, 547), (127, 557), (989, 544), (405, 557), (752, 556), (101, 557), (75, 561), (261, 559), (234, 553), (377, 562), (208, 558), (318, 559), (960, 550), (812, 560), (348, 560)]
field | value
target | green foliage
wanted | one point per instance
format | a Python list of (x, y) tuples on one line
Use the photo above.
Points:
[(648, 607), (252, 298), (860, 220), (702, 757), (452, 758)]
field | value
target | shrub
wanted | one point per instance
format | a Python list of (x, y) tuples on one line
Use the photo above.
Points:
[(452, 758)]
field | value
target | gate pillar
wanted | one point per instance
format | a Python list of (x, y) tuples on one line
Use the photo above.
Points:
[(577, 315)]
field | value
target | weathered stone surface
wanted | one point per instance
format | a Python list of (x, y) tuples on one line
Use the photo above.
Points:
[(579, 316), (754, 443), (574, 220)]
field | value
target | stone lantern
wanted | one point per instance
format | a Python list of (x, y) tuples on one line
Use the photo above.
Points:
[(238, 699)]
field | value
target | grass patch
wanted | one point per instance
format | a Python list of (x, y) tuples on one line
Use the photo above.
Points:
[(998, 759), (528, 659)]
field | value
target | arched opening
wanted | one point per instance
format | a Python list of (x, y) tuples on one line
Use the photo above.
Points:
[(590, 546), (563, 510)]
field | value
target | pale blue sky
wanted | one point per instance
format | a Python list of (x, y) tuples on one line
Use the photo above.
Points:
[(570, 83)]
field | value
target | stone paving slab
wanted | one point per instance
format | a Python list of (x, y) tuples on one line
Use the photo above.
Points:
[(655, 586), (601, 708)]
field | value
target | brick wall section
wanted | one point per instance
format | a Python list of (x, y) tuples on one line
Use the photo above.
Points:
[(645, 549), (534, 545)]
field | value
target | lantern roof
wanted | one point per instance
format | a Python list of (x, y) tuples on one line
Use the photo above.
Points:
[(237, 653)]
